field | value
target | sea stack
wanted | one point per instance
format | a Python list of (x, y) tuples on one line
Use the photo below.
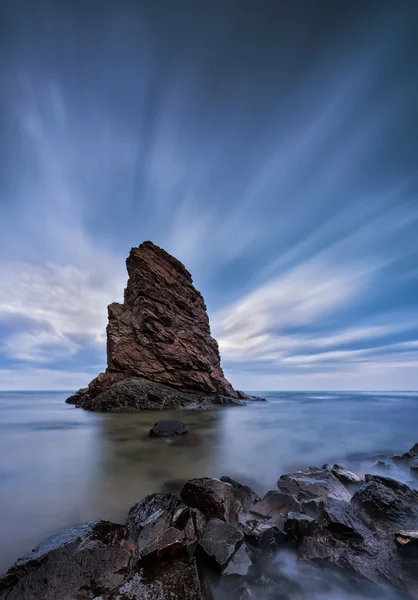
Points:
[(160, 352)]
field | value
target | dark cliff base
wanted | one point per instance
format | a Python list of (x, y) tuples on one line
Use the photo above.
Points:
[(113, 392)]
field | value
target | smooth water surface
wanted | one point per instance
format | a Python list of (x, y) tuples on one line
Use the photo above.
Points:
[(60, 465)]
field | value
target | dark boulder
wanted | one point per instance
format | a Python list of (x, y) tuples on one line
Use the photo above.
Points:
[(240, 563), (218, 544), (276, 503), (168, 429), (340, 518), (313, 483), (384, 502), (168, 580), (81, 562), (243, 493), (168, 545), (297, 526), (213, 497), (151, 516)]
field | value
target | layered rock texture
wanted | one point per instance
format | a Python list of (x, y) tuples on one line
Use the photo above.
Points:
[(160, 352)]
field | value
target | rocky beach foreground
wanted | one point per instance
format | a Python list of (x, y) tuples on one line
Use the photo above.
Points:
[(216, 539), (160, 352)]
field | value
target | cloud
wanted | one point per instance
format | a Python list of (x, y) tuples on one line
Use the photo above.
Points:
[(28, 379)]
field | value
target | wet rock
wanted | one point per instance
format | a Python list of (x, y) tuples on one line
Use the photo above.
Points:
[(276, 503), (151, 516), (297, 526), (345, 476), (374, 558), (167, 580), (191, 521), (239, 564), (340, 518), (243, 493), (313, 483), (81, 562), (213, 497), (168, 545), (386, 502), (168, 429), (218, 544)]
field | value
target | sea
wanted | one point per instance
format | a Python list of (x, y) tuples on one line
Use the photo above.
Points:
[(60, 465)]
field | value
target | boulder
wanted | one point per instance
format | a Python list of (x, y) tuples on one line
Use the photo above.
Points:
[(160, 334), (385, 502), (168, 429), (167, 545), (296, 526), (243, 493), (313, 483), (345, 476), (151, 516), (276, 503), (168, 580), (213, 497), (81, 562), (218, 544), (340, 518)]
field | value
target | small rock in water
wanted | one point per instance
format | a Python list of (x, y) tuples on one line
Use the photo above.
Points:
[(168, 429)]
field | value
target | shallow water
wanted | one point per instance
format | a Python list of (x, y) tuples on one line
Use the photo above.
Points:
[(60, 465)]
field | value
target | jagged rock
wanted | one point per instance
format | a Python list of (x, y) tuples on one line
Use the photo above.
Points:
[(218, 544), (159, 334), (276, 503), (297, 525), (239, 564), (151, 516), (213, 497), (81, 562), (412, 453), (243, 493), (168, 545), (344, 475), (168, 429), (167, 580), (339, 517), (313, 483), (414, 464), (385, 502)]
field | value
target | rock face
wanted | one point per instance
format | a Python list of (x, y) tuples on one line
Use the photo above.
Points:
[(160, 352)]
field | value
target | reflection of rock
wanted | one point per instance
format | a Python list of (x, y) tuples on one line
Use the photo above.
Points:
[(160, 353)]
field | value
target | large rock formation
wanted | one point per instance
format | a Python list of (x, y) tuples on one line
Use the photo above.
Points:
[(160, 352)]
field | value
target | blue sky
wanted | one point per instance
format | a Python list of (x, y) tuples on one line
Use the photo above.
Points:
[(271, 146)]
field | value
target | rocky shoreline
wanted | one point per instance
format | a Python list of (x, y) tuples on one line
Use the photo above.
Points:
[(217, 539)]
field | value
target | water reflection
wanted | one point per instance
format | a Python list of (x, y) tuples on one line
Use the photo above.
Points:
[(60, 465)]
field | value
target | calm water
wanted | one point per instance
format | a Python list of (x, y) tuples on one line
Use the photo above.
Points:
[(60, 465)]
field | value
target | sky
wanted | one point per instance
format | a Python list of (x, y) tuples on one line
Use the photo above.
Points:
[(271, 146)]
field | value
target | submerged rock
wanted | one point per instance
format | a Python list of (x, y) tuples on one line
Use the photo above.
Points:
[(160, 352), (82, 562), (168, 429)]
